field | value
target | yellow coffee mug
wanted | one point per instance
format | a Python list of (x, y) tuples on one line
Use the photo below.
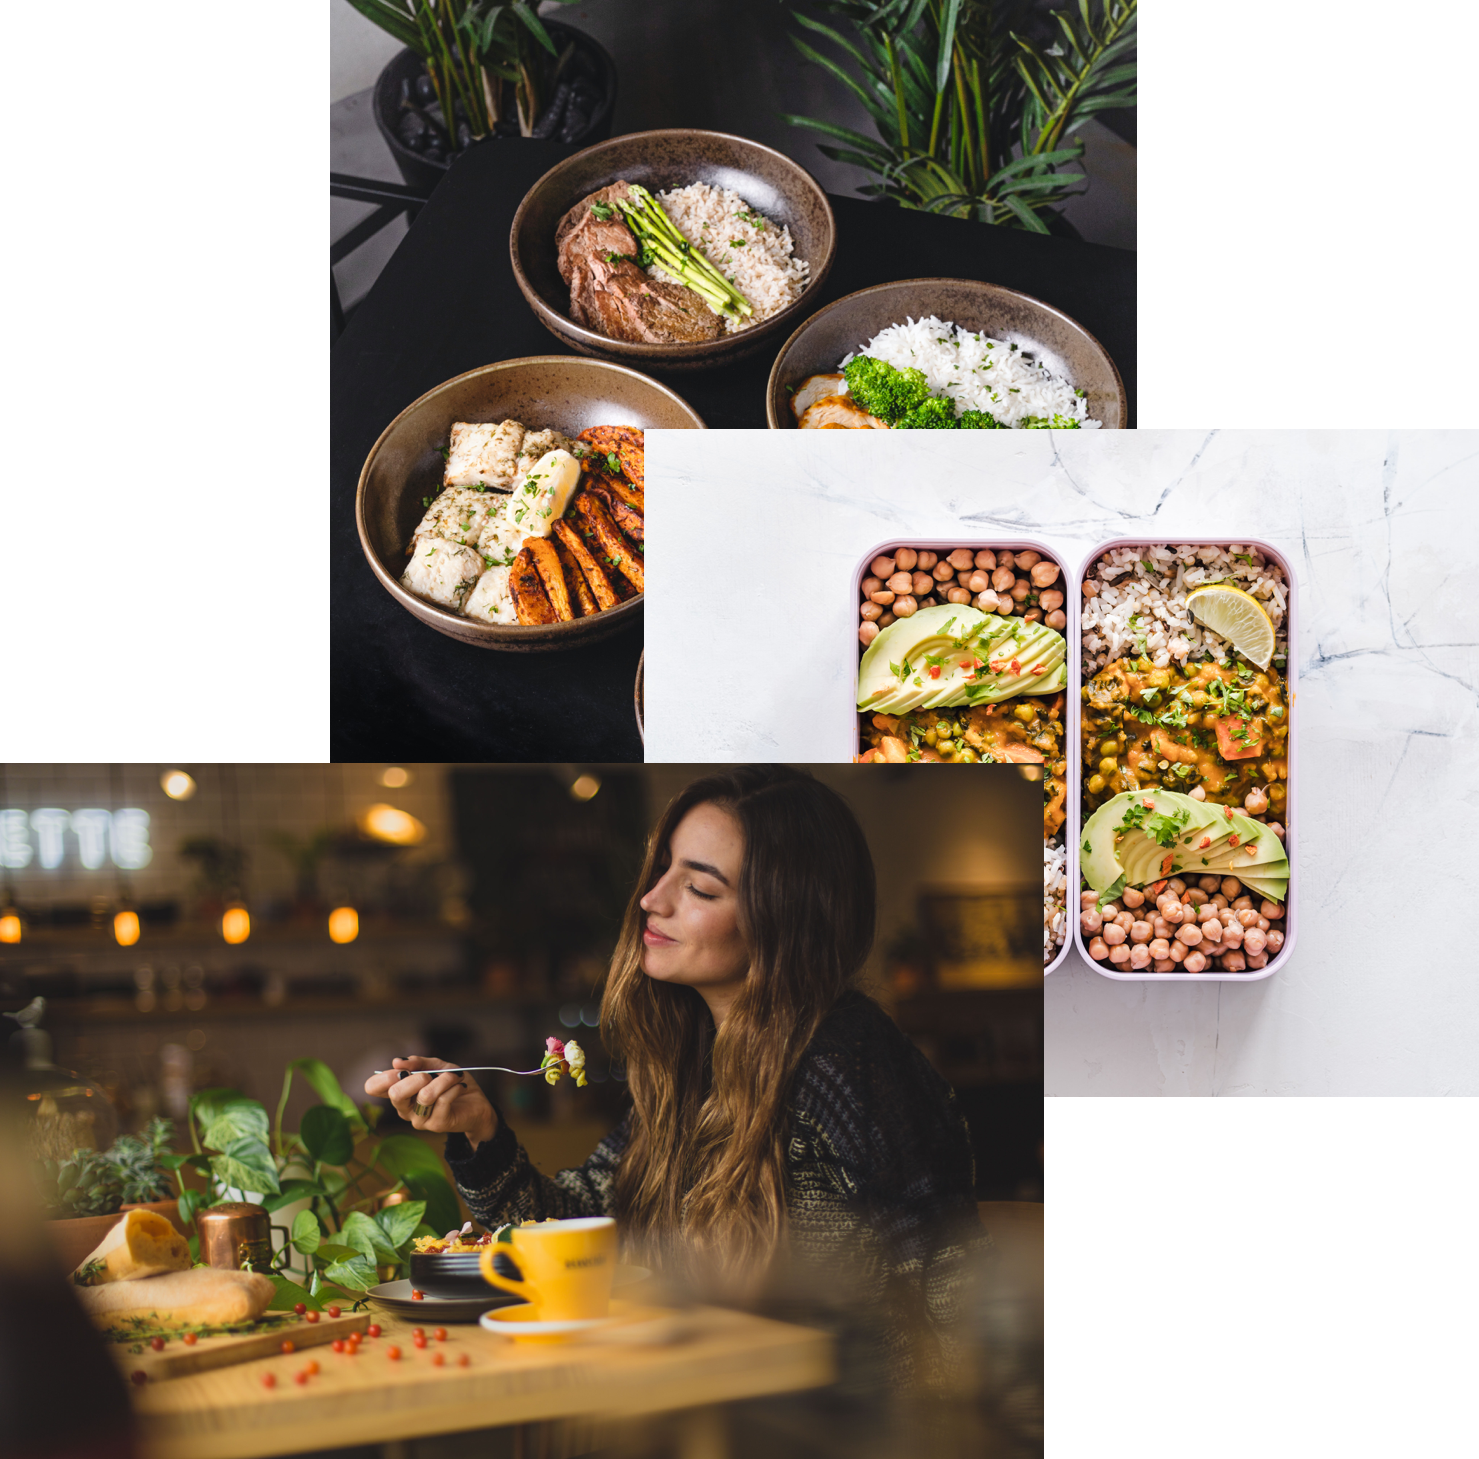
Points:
[(568, 1267)]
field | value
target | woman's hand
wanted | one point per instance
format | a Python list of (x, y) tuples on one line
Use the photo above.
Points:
[(445, 1104)]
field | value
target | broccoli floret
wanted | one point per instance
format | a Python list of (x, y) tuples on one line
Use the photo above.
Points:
[(882, 390), (934, 414), (979, 420), (1046, 423)]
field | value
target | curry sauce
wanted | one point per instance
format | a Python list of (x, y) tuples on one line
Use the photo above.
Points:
[(1223, 727)]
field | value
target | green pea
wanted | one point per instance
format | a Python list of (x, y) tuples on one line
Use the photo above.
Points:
[(1108, 765), (1096, 784)]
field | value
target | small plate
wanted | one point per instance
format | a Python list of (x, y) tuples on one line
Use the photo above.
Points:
[(517, 1322), (396, 1297)]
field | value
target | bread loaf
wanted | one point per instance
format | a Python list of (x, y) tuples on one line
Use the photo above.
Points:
[(200, 1297), (141, 1244)]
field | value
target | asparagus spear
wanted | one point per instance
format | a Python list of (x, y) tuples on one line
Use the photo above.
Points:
[(661, 242)]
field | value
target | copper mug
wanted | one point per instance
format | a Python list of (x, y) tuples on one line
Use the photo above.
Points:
[(237, 1235)]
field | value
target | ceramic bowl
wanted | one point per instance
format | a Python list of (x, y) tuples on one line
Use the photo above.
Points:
[(1061, 343), (405, 465), (768, 181), (637, 698)]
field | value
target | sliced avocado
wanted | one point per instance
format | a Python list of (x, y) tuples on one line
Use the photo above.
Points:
[(1234, 858), (1157, 847), (1031, 646), (1275, 888), (1098, 859), (898, 656)]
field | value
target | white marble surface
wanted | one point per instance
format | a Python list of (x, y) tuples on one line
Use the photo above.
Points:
[(750, 634)]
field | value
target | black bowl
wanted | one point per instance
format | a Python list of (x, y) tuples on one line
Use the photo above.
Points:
[(457, 1273)]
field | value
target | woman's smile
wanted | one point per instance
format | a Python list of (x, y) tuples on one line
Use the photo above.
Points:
[(655, 938)]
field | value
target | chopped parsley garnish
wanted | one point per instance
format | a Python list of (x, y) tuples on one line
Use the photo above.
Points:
[(602, 212)]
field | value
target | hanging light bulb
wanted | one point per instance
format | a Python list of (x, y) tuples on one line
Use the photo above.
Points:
[(10, 925), (395, 777), (236, 924), (396, 827), (343, 924), (585, 786), (177, 785), (126, 927)]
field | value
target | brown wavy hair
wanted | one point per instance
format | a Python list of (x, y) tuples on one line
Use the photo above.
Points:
[(702, 1181)]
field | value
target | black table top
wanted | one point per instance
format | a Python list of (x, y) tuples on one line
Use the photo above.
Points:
[(447, 302)]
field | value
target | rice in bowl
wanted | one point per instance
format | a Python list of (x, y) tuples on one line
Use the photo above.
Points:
[(1054, 898)]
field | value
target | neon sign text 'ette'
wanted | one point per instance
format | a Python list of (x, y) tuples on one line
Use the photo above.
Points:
[(41, 836)]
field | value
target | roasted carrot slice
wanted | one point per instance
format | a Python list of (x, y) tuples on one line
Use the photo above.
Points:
[(625, 443), (547, 563), (595, 575), (612, 544), (585, 600), (531, 602), (628, 518)]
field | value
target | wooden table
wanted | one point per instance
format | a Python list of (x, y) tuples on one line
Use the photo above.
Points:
[(721, 1356)]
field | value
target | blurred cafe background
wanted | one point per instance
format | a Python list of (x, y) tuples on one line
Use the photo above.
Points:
[(194, 926)]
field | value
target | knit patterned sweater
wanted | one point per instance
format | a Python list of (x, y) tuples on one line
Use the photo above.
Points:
[(880, 1201)]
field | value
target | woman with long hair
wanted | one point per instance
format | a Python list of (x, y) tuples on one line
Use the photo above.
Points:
[(780, 1122)]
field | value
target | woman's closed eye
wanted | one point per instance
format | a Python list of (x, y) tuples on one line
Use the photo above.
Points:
[(707, 896)]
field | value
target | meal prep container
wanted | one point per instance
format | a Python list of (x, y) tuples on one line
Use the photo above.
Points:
[(1291, 816), (1070, 632)]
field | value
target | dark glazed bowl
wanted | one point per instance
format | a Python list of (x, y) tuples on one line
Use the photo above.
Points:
[(543, 391), (768, 181), (453, 1274), (637, 696), (1061, 343)]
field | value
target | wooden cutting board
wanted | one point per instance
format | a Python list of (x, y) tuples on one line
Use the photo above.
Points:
[(178, 1358)]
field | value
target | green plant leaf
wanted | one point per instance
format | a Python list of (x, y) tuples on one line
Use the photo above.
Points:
[(188, 1204), (332, 1251), (288, 1293), (306, 1235), (358, 1273), (360, 1232), (246, 1164), (393, 21), (946, 44), (400, 1222), (322, 1081), (326, 1135), (171, 1161), (292, 1190), (234, 1119), (418, 1165), (530, 19)]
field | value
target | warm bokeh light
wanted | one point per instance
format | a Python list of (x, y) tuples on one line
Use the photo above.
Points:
[(177, 785), (395, 777), (236, 925), (126, 928), (386, 823), (343, 924), (10, 928), (585, 787)]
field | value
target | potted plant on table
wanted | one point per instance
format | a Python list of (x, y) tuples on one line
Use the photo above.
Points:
[(472, 69)]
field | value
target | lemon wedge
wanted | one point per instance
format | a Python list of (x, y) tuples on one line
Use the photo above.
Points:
[(1236, 616)]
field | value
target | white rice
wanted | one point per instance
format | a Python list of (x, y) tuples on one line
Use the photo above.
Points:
[(749, 250), (1054, 898), (1149, 585), (977, 372)]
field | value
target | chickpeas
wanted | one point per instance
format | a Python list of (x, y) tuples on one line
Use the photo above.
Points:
[(1002, 579), (1272, 910), (1196, 792), (1176, 885), (1027, 558), (978, 581), (1119, 954), (1032, 615), (1232, 934), (1114, 934), (886, 620), (1088, 899), (867, 632), (882, 567), (962, 557), (1096, 784), (1108, 765), (1206, 913), (1160, 947), (1139, 956), (1273, 940), (1025, 713), (1254, 941), (1043, 573), (1125, 920), (1020, 589), (1189, 933), (1230, 887), (1257, 959), (1051, 599), (1091, 588), (1161, 927), (1211, 931), (1098, 949), (1195, 896), (1005, 559), (1163, 965), (906, 558), (1132, 897), (1209, 884), (905, 607), (883, 595), (900, 582), (1178, 952), (959, 595), (1090, 921), (870, 586), (1255, 802), (1140, 932), (921, 584), (942, 572), (1174, 913), (1243, 903), (1004, 604), (1057, 619), (1233, 961), (870, 611), (1195, 962), (986, 558)]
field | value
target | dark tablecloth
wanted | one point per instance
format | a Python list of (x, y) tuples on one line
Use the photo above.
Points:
[(447, 302)]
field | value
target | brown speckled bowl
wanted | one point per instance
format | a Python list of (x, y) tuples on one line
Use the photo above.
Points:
[(637, 696), (1062, 344), (768, 181), (543, 391)]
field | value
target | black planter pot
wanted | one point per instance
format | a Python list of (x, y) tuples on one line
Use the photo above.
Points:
[(422, 172)]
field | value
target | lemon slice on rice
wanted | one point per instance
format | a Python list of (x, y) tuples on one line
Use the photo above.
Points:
[(1236, 616)]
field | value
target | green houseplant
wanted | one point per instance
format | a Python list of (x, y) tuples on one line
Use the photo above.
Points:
[(343, 1241), (975, 113)]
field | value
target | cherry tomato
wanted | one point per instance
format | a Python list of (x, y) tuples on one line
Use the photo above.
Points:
[(393, 1353), (373, 1330), (289, 1346), (301, 1378), (310, 1317), (419, 1340), (440, 1334), (157, 1343), (269, 1380), (418, 1332), (190, 1339), (417, 1296), (463, 1360), (338, 1344), (334, 1309), (139, 1377), (437, 1359), (299, 1308), (312, 1368)]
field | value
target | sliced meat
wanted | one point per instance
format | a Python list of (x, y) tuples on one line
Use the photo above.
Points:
[(552, 574), (581, 234), (585, 600), (595, 574), (612, 545), (813, 388), (839, 412), (531, 602)]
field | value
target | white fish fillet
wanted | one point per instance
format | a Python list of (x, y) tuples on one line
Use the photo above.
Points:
[(486, 453), (458, 515), (491, 601), (442, 572)]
